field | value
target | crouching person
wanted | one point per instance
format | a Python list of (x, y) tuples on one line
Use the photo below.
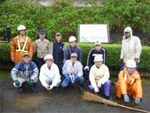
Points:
[(72, 71), (49, 74), (129, 81), (27, 71), (99, 76)]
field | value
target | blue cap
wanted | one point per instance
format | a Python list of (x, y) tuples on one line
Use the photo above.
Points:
[(58, 34), (42, 31)]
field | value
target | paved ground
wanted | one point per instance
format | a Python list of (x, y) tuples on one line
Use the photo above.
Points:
[(61, 101)]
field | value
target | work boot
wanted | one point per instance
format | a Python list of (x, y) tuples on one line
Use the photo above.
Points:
[(33, 87), (81, 88), (21, 89), (106, 97), (115, 96)]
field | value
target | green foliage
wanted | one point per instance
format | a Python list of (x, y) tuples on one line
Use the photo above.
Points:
[(62, 17), (112, 60)]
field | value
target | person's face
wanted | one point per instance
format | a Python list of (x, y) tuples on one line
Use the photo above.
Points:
[(98, 47), (26, 59), (58, 38), (130, 70), (42, 36), (22, 32), (73, 59), (98, 63), (73, 44), (49, 62), (127, 34)]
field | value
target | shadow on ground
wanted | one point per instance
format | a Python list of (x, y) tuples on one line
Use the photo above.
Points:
[(62, 101)]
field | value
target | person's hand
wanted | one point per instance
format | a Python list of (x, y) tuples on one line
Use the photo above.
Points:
[(67, 77), (76, 77), (31, 82), (86, 67), (96, 89), (47, 87), (126, 98), (51, 87), (17, 83), (99, 84), (13, 59), (120, 60), (136, 60)]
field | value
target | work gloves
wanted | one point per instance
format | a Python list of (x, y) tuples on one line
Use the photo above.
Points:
[(75, 78), (31, 82), (17, 83), (67, 77), (137, 100), (96, 89), (99, 84), (49, 87), (126, 98), (86, 67)]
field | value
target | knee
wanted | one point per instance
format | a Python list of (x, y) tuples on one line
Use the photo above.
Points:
[(108, 82), (63, 85)]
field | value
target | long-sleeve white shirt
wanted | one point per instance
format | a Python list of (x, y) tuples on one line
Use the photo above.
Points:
[(52, 74), (99, 74)]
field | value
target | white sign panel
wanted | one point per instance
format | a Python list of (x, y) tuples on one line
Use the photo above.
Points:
[(93, 32)]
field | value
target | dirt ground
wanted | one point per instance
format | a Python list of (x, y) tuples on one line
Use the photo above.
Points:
[(66, 100)]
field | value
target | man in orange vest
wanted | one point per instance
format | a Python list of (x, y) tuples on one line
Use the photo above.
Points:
[(129, 81), (21, 44)]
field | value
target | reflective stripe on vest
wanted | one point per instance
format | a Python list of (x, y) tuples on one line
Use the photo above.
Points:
[(125, 78), (23, 49)]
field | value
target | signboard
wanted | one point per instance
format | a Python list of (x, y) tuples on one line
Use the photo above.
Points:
[(93, 32)]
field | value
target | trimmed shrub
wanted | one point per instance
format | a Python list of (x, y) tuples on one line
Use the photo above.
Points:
[(112, 60)]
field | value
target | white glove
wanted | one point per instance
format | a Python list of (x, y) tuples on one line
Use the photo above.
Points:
[(96, 89), (14, 84), (99, 84), (86, 67), (126, 98), (51, 87), (137, 100), (47, 87)]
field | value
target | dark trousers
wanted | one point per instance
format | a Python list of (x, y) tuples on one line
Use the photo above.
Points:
[(60, 65), (40, 62)]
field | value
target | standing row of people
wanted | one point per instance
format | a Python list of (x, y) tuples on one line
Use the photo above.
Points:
[(57, 60)]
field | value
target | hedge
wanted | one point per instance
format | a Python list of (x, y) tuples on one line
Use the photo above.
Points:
[(112, 60)]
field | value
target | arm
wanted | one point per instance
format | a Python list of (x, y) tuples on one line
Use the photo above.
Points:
[(121, 56), (57, 76), (138, 48), (66, 54), (49, 48), (80, 71), (35, 72), (89, 59), (64, 49), (52, 50), (13, 48), (35, 47), (80, 55), (14, 72), (42, 77), (106, 75), (30, 48), (92, 77)]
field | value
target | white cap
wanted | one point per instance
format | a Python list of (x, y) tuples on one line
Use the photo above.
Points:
[(21, 27), (48, 56), (131, 63), (128, 29), (72, 38), (97, 42), (74, 55), (98, 58)]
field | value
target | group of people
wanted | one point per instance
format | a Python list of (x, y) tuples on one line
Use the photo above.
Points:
[(61, 65)]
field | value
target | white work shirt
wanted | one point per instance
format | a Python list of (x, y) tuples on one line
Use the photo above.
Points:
[(52, 74)]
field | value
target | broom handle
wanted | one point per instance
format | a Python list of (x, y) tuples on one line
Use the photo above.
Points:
[(132, 108)]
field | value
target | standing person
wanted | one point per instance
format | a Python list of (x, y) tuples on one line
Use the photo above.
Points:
[(25, 71), (49, 74), (73, 48), (98, 49), (21, 44), (58, 49), (129, 81), (131, 48), (72, 71), (99, 76), (42, 46)]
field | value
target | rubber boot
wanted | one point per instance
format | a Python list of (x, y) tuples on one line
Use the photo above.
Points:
[(21, 88), (33, 87), (81, 88), (106, 97)]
